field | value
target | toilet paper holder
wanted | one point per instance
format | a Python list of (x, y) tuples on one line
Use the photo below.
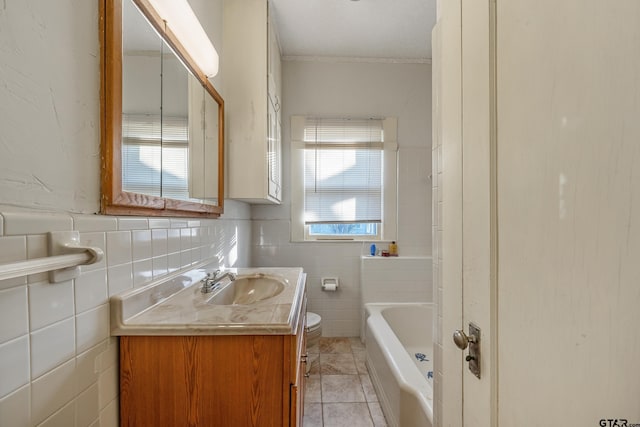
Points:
[(329, 284)]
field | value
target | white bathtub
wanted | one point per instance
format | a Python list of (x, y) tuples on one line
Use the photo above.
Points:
[(400, 361)]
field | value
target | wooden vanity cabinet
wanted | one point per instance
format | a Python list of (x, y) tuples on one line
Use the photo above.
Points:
[(213, 380)]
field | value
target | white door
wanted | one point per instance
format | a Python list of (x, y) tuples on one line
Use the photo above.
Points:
[(549, 161), (568, 99), (463, 123), (478, 210)]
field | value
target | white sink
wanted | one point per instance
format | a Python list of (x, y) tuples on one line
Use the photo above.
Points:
[(260, 301), (248, 289)]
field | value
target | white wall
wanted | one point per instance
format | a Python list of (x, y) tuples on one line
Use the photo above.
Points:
[(58, 364), (352, 89), (49, 144), (394, 280)]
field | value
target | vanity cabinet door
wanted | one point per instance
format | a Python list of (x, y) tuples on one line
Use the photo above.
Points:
[(204, 381), (297, 395), (296, 399)]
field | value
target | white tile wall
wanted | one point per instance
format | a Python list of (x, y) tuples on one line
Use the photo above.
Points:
[(52, 391), (58, 363), (14, 306), (118, 248), (395, 279), (92, 327), (15, 409), (414, 200), (13, 248), (90, 290), (17, 223), (87, 408), (63, 417), (49, 304), (37, 248), (119, 278), (341, 311), (51, 346), (14, 369)]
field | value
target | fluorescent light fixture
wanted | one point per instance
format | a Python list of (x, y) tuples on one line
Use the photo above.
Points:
[(185, 25)]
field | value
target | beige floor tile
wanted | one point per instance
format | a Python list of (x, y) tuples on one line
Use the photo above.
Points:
[(360, 357), (356, 344), (367, 387), (335, 345), (312, 415), (337, 363), (377, 415), (313, 389), (339, 391), (342, 388), (346, 415)]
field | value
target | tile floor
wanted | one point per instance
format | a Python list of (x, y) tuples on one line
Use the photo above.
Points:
[(338, 391)]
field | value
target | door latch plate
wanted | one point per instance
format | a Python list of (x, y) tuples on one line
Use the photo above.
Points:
[(474, 350)]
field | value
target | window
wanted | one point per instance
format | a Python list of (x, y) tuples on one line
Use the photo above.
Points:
[(155, 156), (343, 178)]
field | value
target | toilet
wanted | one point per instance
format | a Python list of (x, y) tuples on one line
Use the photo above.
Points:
[(314, 332), (314, 328)]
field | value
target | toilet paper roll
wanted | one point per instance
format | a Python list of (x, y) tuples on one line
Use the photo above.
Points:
[(329, 284)]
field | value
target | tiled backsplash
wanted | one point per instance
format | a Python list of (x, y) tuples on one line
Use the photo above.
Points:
[(59, 363), (395, 280), (341, 311)]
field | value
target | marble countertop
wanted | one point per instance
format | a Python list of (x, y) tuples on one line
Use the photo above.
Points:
[(176, 306)]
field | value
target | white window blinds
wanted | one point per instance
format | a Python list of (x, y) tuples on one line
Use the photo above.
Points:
[(155, 155), (343, 170)]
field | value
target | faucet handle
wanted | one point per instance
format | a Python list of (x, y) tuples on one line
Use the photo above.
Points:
[(213, 275)]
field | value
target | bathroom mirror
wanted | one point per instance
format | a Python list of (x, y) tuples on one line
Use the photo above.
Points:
[(162, 120)]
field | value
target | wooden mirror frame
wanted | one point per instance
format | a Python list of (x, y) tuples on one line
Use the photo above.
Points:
[(113, 200)]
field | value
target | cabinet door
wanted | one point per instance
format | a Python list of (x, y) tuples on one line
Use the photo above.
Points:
[(273, 87), (206, 381), (297, 399), (274, 152), (274, 67), (296, 404)]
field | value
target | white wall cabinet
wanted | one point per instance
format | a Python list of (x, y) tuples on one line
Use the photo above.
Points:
[(252, 70)]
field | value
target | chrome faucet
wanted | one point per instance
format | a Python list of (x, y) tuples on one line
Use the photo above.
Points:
[(213, 281)]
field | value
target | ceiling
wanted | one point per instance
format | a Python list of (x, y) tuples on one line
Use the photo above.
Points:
[(378, 30)]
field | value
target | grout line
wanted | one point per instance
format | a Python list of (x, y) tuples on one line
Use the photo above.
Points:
[(358, 374)]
